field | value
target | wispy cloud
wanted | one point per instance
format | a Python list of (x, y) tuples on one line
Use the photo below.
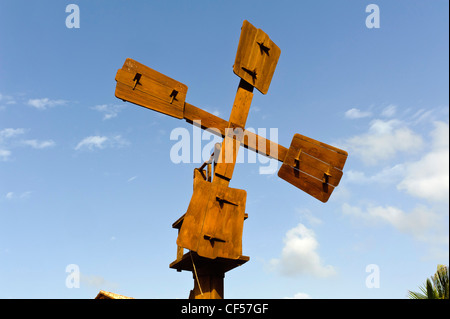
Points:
[(5, 136), (389, 111), (131, 179), (299, 255), (10, 132), (355, 113), (97, 282), (4, 154), (384, 140), (422, 175), (92, 142), (6, 100), (15, 196), (9, 138), (39, 144), (387, 175), (45, 103), (109, 111), (307, 215), (421, 222), (429, 176), (300, 295), (101, 142)]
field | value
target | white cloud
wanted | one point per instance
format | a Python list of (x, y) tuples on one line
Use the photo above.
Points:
[(308, 216), (389, 111), (355, 113), (300, 295), (383, 141), (92, 142), (42, 104), (426, 178), (39, 144), (7, 99), (101, 142), (4, 154), (8, 139), (5, 135), (10, 132), (421, 223), (12, 195), (386, 176), (423, 115), (131, 179), (299, 255), (429, 177), (98, 282), (109, 110)]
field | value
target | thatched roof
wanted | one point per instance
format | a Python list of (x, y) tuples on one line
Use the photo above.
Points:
[(110, 295)]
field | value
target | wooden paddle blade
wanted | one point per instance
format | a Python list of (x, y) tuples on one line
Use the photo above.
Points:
[(141, 85), (313, 166), (214, 221), (256, 57)]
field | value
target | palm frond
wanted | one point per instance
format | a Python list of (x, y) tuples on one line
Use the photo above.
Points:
[(436, 288)]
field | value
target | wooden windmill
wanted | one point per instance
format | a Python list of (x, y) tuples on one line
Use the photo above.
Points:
[(211, 229)]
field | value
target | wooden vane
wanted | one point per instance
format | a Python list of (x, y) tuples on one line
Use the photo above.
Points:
[(312, 166), (214, 221), (256, 57), (141, 85)]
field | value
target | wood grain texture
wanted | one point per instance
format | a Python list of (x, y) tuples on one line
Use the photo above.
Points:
[(217, 126), (146, 87), (230, 146), (313, 166), (256, 58), (202, 264), (214, 221)]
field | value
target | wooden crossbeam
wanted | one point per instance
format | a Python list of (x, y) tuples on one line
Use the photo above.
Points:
[(153, 92), (251, 141)]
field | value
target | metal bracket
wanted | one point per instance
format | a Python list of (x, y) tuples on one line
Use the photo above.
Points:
[(223, 200), (136, 79), (213, 239), (173, 96), (326, 176)]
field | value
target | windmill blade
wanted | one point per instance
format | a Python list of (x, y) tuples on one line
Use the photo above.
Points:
[(256, 57), (146, 87), (313, 166)]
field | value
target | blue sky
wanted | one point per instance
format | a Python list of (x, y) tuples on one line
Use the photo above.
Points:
[(87, 179)]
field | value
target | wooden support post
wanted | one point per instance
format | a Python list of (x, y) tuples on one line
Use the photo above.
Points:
[(208, 285), (234, 135)]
